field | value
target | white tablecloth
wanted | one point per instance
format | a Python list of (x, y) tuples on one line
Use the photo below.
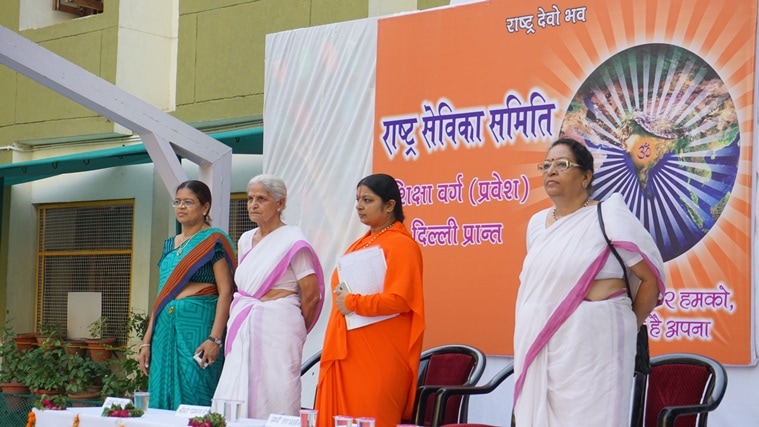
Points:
[(90, 417)]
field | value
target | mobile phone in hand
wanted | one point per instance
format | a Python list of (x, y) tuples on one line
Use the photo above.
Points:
[(199, 358)]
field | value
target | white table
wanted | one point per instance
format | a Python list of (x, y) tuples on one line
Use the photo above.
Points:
[(90, 417)]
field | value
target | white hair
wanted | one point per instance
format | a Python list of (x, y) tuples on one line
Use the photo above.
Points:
[(273, 185)]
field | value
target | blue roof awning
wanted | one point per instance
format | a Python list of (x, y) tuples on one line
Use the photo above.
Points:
[(244, 141)]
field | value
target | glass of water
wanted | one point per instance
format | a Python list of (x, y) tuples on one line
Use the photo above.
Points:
[(308, 417), (141, 400), (365, 422), (343, 421), (232, 410)]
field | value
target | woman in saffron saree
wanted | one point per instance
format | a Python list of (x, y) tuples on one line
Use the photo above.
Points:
[(192, 307), (575, 332), (371, 371)]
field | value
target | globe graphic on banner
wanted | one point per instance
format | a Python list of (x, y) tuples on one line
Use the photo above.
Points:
[(664, 133)]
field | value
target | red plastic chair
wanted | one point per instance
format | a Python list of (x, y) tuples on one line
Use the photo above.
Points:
[(440, 366), (309, 368), (682, 389), (446, 395), (448, 365)]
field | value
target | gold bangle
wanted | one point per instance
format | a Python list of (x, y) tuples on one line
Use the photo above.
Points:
[(144, 345)]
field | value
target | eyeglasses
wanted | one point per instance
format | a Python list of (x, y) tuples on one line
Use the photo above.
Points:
[(560, 165), (188, 203)]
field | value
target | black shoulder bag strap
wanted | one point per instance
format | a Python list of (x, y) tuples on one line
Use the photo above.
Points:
[(642, 358), (614, 250)]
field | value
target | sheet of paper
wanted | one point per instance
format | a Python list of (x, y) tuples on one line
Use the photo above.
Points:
[(363, 271), (191, 411), (276, 420), (110, 401)]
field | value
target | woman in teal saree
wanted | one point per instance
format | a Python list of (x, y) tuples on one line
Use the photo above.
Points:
[(192, 307)]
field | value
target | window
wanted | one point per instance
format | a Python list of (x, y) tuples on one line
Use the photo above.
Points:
[(79, 7), (85, 247)]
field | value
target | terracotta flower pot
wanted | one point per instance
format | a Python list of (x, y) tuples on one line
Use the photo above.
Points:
[(14, 403), (40, 392), (100, 349), (26, 341), (83, 395), (72, 347), (14, 388)]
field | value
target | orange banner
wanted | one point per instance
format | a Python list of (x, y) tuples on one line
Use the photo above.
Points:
[(469, 98)]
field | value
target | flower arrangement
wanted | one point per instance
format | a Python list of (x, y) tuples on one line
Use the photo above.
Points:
[(211, 419), (56, 402), (127, 410), (31, 419)]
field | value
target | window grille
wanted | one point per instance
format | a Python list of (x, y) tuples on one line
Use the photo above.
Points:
[(85, 247), (239, 220)]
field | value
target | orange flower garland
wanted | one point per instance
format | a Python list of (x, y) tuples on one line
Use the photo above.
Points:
[(31, 420)]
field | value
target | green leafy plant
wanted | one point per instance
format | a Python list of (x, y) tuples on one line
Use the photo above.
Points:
[(83, 373), (50, 334), (137, 324), (44, 368), (50, 329), (100, 347), (11, 368), (97, 328), (125, 376)]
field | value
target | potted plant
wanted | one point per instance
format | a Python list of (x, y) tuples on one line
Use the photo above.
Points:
[(72, 347), (137, 324), (49, 333), (45, 370), (125, 376), (101, 348), (83, 376), (25, 341), (11, 367)]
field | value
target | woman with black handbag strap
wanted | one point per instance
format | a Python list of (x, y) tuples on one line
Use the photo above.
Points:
[(574, 338)]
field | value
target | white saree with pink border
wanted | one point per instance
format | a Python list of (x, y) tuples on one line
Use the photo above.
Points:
[(573, 357), (264, 343)]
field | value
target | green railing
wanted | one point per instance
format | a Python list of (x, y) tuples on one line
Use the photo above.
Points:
[(15, 407)]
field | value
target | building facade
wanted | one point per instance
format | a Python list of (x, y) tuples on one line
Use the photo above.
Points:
[(83, 209)]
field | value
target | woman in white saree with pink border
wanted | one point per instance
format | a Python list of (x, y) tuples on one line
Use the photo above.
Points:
[(574, 357), (264, 345), (272, 310)]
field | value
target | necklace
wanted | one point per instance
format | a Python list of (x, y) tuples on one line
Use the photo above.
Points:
[(377, 234), (184, 243), (584, 205)]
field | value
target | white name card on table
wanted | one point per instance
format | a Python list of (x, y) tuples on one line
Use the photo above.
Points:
[(276, 420), (110, 401), (189, 411)]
